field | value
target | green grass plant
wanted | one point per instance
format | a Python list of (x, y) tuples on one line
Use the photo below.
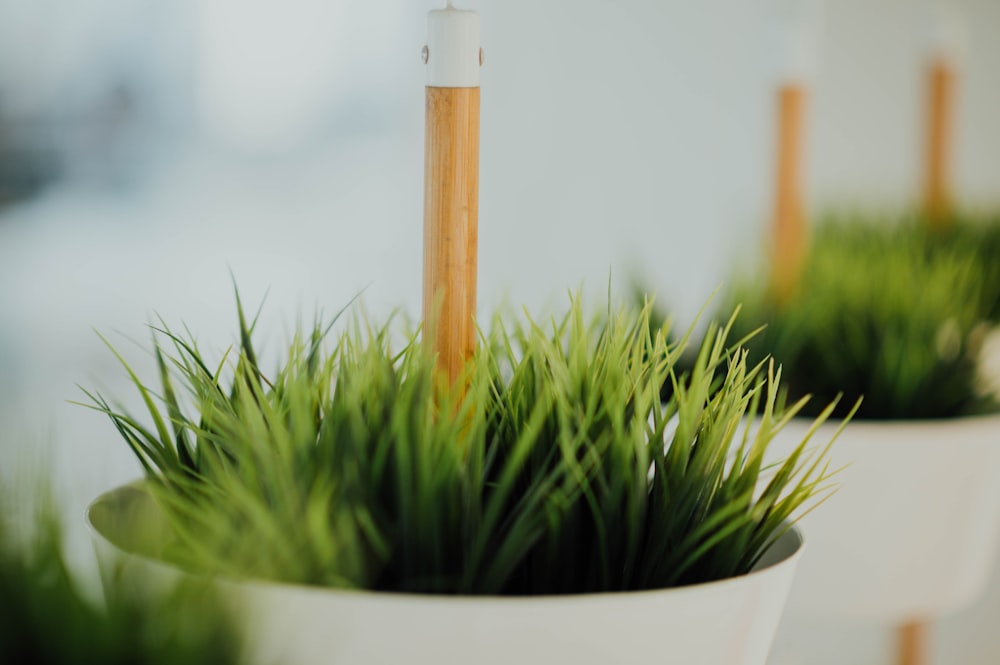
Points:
[(47, 618), (554, 468), (978, 237), (891, 312)]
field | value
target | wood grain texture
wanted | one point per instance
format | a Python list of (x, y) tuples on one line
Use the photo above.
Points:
[(940, 116), (912, 644), (451, 226), (788, 239)]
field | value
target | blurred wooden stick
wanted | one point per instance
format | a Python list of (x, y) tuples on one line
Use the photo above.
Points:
[(912, 643), (940, 118), (789, 226)]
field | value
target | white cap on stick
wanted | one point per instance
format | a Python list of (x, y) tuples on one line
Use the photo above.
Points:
[(796, 27), (453, 53), (947, 31)]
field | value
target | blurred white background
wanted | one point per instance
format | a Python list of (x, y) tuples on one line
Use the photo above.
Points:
[(147, 149)]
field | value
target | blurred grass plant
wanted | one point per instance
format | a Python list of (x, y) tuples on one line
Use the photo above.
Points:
[(978, 237), (46, 619), (891, 312), (560, 471)]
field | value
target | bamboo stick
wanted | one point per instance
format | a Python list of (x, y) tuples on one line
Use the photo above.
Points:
[(788, 236), (451, 226), (912, 644), (940, 118), (451, 189)]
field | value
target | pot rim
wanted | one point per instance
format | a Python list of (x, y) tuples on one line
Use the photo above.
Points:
[(793, 533), (875, 423)]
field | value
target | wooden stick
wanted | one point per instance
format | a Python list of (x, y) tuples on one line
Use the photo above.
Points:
[(789, 227), (940, 101), (451, 226), (912, 643)]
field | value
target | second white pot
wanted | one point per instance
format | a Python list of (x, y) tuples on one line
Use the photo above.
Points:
[(913, 531)]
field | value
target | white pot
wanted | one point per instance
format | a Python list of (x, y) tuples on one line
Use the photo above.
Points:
[(913, 531), (730, 622)]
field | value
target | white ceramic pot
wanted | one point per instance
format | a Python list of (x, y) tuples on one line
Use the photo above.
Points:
[(913, 531), (730, 622)]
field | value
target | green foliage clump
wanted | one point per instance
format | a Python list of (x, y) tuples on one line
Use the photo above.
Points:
[(45, 618), (553, 468), (977, 237), (888, 312)]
